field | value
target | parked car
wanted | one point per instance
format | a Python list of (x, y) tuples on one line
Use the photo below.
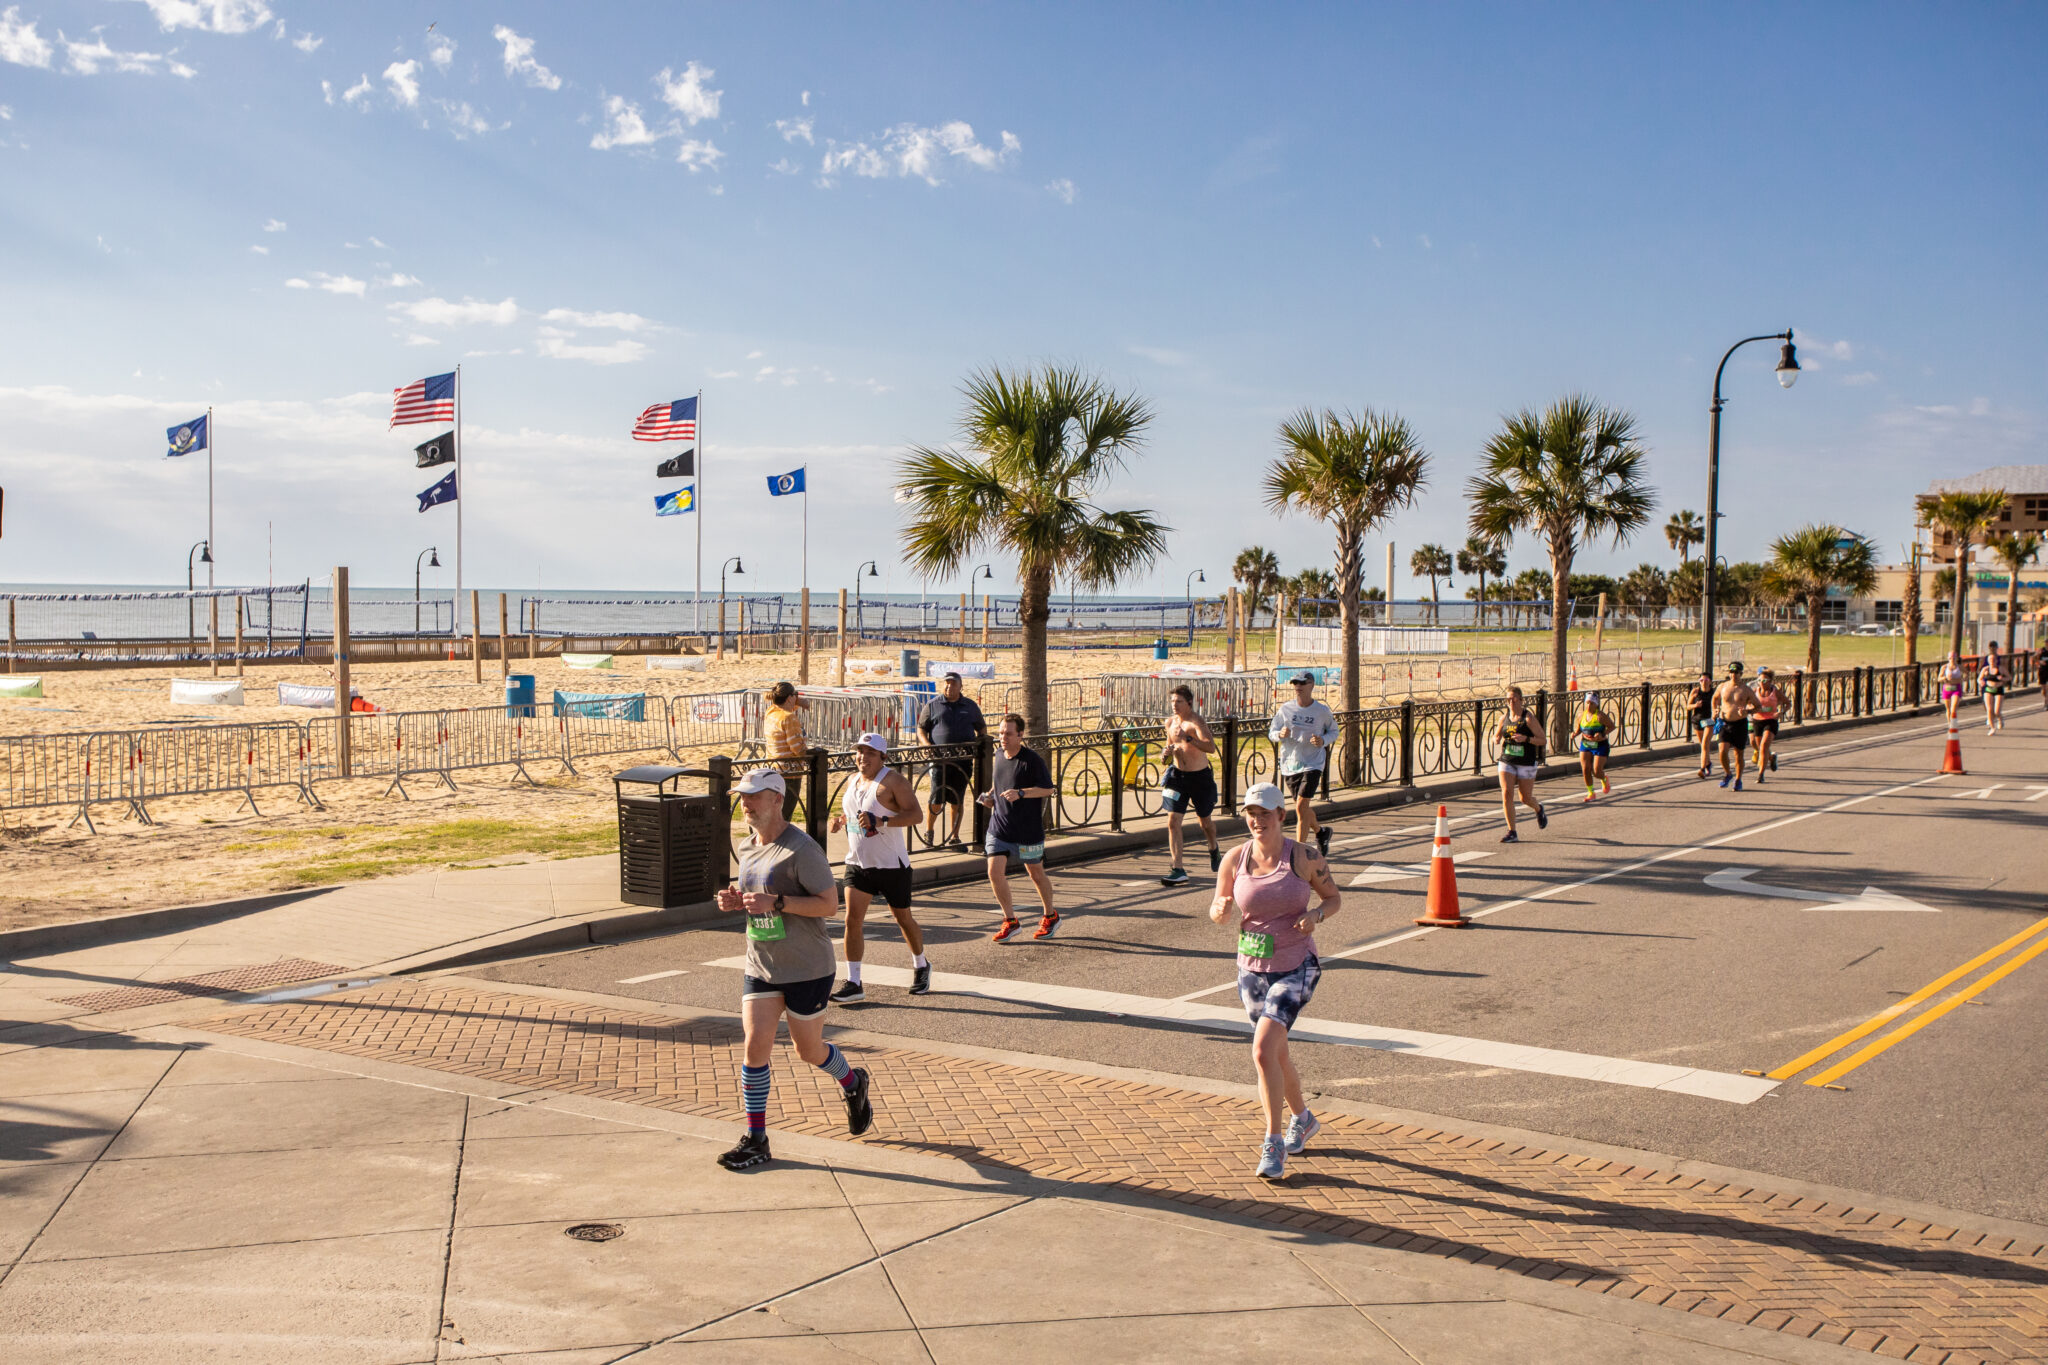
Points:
[(1869, 628), (1834, 629)]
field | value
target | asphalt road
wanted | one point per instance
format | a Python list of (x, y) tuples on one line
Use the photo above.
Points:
[(1600, 936)]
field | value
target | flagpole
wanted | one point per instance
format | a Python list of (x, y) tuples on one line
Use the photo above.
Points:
[(456, 619), (211, 556), (697, 506)]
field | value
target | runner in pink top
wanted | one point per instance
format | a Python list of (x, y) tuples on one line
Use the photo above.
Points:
[(1268, 881)]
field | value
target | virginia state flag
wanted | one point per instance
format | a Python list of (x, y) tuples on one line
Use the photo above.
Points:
[(676, 503), (441, 492), (792, 482), (186, 437)]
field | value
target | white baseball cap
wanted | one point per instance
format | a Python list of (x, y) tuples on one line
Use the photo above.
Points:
[(871, 740), (761, 780), (1265, 796)]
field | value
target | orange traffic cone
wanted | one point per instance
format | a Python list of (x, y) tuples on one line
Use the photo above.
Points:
[(1952, 757), (1443, 879)]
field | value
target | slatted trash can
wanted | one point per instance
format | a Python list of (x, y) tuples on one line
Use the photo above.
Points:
[(672, 845)]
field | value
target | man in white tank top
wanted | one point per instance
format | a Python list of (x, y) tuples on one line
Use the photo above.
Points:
[(878, 805)]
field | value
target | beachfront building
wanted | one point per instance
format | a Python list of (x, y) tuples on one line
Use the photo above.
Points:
[(2026, 509)]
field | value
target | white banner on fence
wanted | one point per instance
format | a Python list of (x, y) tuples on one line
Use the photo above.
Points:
[(1328, 641), (939, 668), (299, 694), (201, 692), (684, 663)]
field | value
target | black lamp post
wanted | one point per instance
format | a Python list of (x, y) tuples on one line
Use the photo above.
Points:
[(1788, 371), (436, 562), (737, 567), (872, 572), (205, 552)]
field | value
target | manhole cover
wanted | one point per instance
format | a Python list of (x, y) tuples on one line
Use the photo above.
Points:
[(595, 1232)]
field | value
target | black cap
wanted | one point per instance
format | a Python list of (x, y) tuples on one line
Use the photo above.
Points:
[(951, 677)]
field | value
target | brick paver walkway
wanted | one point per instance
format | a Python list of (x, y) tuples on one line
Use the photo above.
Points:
[(1857, 1276)]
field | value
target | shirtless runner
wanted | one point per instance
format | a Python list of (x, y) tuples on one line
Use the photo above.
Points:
[(1187, 781), (1733, 701)]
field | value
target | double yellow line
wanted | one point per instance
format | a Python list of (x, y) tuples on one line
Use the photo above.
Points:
[(1913, 1026)]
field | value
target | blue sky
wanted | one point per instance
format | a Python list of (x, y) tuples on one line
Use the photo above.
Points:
[(824, 216)]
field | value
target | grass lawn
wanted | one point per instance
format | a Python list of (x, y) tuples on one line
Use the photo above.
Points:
[(347, 853), (1779, 651)]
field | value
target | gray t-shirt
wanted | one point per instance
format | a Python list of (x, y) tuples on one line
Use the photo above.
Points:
[(784, 949)]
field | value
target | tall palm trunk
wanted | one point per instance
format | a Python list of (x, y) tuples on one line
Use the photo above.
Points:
[(2012, 608), (1350, 561), (1034, 610), (1955, 625), (1560, 638), (1910, 609), (1481, 602), (1813, 603)]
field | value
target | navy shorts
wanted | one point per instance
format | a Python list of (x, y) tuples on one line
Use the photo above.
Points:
[(1279, 996), (1179, 790), (1306, 783), (801, 999)]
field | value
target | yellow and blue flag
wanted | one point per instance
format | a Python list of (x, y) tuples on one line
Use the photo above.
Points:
[(675, 504)]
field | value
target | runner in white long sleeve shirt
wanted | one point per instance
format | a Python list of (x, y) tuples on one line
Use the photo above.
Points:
[(1304, 730)]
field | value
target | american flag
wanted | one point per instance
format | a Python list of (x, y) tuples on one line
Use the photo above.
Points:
[(424, 400), (675, 421)]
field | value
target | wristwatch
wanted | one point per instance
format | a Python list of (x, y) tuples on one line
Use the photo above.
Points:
[(778, 902)]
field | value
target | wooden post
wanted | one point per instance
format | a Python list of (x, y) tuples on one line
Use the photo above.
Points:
[(984, 625), (239, 671), (11, 645), (533, 629), (504, 629), (721, 625), (739, 636), (1280, 630), (476, 634), (960, 641), (1599, 627), (340, 649), (842, 637), (213, 633), (1230, 631), (803, 647)]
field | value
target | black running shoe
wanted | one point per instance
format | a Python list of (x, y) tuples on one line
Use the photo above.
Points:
[(1177, 877), (849, 994), (752, 1151), (1323, 839), (859, 1112), (1511, 838), (1542, 820), (1215, 859), (921, 980), (1774, 763)]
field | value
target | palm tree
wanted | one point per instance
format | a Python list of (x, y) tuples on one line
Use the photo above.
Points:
[(2015, 550), (1807, 563), (1965, 516), (1431, 562), (1354, 472), (1258, 569), (1685, 584), (1569, 474), (1038, 445), (1683, 531), (1481, 559), (1313, 585), (1646, 586)]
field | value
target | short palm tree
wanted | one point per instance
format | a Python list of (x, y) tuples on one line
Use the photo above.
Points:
[(1567, 475), (2015, 550), (1036, 448), (1431, 562), (1313, 585), (1646, 586), (1354, 472), (1809, 562), (1965, 516), (1479, 559), (1258, 569), (1683, 531)]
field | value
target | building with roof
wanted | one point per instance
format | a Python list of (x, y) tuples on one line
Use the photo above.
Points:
[(2026, 506)]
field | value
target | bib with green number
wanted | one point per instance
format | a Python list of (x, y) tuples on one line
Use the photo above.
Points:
[(1254, 945), (766, 928)]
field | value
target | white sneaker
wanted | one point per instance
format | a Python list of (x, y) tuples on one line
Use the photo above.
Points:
[(1273, 1159), (1300, 1128)]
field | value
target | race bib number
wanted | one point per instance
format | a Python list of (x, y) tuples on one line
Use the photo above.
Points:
[(1515, 753), (1255, 945), (766, 928)]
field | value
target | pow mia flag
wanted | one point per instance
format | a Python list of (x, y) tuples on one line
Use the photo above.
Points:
[(440, 450), (681, 466)]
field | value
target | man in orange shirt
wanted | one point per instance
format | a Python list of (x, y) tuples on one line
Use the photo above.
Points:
[(785, 727)]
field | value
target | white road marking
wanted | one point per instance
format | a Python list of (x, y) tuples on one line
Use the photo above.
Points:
[(2038, 793), (654, 976), (1682, 1080), (1980, 794), (1737, 879), (1394, 872)]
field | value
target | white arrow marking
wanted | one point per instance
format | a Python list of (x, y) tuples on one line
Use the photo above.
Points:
[(1981, 792), (1737, 879), (2038, 793), (1394, 872)]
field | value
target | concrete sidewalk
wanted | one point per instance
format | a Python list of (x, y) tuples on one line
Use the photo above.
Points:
[(177, 1194)]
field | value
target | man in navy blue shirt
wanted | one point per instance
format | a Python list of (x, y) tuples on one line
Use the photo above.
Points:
[(1016, 802)]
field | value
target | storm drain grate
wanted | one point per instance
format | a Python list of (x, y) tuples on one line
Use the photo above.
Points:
[(594, 1232), (210, 985)]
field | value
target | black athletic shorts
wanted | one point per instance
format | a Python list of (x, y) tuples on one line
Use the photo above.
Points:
[(1307, 783), (802, 999), (891, 884), (1179, 789), (950, 782), (1763, 725), (1733, 733)]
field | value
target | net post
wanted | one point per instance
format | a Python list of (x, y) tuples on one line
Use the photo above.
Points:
[(476, 635), (984, 625), (241, 666), (739, 639), (213, 634), (504, 628), (11, 645), (960, 632), (842, 637), (341, 686), (532, 626), (803, 648), (1280, 631)]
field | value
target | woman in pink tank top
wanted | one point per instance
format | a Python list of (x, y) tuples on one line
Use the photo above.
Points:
[(1267, 883)]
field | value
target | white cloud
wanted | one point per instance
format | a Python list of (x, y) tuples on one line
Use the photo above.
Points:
[(807, 99), (726, 374), (86, 59), (1375, 244), (210, 16), (1062, 190), (375, 243), (359, 93), (297, 284), (794, 128), (519, 60), (403, 78), (6, 112), (755, 355), (415, 339), (467, 121), (1423, 238), (260, 250), (699, 156), (624, 126), (686, 93), (19, 42), (307, 43), (274, 225), (910, 149), (785, 167), (441, 50), (398, 281), (327, 91), (1859, 379), (339, 284), (621, 352), (620, 322), (442, 313), (1980, 407)]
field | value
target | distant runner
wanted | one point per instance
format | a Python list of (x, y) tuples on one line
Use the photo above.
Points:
[(1267, 881), (1763, 722), (950, 718), (1594, 727), (1733, 702), (1991, 681), (1952, 679), (2041, 668), (1187, 781), (1521, 758), (1304, 729), (1699, 711), (786, 891), (878, 806), (1016, 802)]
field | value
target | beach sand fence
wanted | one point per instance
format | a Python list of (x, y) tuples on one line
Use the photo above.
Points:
[(204, 625), (972, 621)]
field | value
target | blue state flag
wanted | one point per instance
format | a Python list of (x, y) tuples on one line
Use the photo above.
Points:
[(186, 437), (792, 482), (676, 503), (441, 492)]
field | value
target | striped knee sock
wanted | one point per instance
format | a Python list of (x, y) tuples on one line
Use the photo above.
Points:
[(835, 1065), (754, 1088)]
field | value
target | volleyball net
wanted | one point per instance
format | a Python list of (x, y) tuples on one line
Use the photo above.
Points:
[(159, 627)]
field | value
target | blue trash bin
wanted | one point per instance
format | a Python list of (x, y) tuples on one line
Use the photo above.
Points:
[(519, 694), (908, 665), (1159, 649), (915, 695)]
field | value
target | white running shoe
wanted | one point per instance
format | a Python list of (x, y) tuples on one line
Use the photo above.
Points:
[(1273, 1159), (1300, 1128)]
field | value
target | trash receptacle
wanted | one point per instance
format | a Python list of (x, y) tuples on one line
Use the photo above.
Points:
[(672, 845), (1159, 648), (519, 694), (915, 695), (909, 665)]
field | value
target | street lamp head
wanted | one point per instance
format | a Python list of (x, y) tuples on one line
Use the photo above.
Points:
[(738, 567), (873, 572), (1201, 577), (1788, 364), (985, 572), (205, 553), (433, 558)]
